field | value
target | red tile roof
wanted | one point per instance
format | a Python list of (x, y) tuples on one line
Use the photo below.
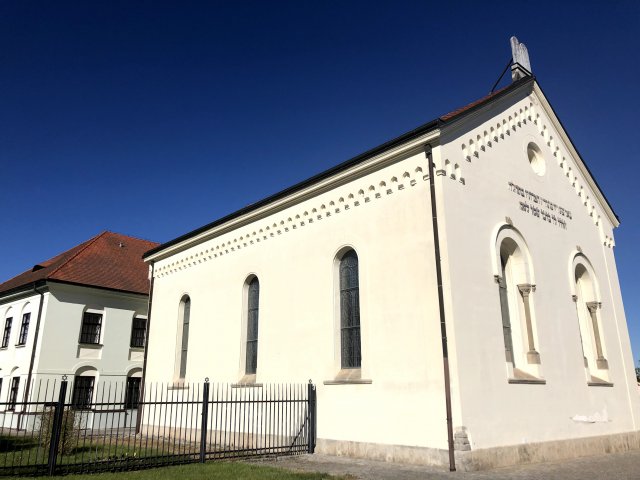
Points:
[(108, 260), (469, 106)]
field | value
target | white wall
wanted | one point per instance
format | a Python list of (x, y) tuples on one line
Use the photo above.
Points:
[(292, 252), (58, 350), (494, 411), (298, 326), (15, 359)]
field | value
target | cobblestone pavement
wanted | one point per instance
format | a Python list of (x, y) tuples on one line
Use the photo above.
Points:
[(618, 466)]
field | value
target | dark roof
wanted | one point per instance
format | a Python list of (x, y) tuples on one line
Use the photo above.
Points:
[(421, 130), (108, 260)]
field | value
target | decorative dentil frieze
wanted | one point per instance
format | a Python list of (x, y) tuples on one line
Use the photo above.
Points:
[(266, 229), (486, 136)]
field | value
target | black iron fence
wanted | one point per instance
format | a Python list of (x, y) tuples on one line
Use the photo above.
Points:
[(68, 427)]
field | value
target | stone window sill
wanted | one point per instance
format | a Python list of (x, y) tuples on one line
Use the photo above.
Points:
[(598, 382), (524, 378), (178, 385), (535, 381), (90, 345), (248, 380), (348, 376), (359, 381)]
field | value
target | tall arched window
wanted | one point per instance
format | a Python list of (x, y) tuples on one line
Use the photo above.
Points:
[(351, 356), (515, 287), (185, 314), (587, 306), (253, 308)]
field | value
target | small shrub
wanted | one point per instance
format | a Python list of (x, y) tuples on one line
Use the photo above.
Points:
[(68, 433)]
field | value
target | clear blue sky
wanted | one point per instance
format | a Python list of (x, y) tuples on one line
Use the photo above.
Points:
[(154, 118)]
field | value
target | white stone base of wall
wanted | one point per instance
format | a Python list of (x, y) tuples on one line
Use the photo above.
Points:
[(487, 458)]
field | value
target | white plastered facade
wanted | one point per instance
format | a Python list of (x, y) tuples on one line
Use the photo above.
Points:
[(58, 349), (486, 190)]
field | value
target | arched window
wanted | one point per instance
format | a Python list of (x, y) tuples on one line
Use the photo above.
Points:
[(83, 388), (253, 308), (185, 313), (351, 356), (515, 287), (587, 306)]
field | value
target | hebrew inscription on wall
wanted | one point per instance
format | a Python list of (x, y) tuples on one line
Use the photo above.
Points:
[(540, 207)]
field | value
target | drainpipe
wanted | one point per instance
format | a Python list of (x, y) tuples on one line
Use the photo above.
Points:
[(25, 397), (443, 324), (146, 349)]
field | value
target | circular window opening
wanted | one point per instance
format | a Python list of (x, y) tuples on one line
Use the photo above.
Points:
[(535, 159)]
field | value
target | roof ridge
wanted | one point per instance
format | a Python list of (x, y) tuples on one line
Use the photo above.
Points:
[(90, 242), (130, 236)]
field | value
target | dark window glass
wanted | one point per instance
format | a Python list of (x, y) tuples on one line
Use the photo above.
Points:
[(186, 313), (24, 329), (7, 332), (91, 325), (82, 392), (350, 311), (13, 393), (506, 318), (0, 388), (132, 395), (138, 332), (253, 300)]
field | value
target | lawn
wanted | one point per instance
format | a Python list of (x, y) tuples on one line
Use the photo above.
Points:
[(208, 471)]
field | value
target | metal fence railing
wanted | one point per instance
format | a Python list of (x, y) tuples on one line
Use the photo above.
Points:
[(65, 427)]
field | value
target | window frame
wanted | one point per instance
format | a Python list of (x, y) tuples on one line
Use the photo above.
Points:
[(86, 402), (6, 336), (24, 329), (135, 333), (252, 313), (131, 400), (182, 338), (12, 398), (349, 311), (585, 289), (96, 333), (515, 278)]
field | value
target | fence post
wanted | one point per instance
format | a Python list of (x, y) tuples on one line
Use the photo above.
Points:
[(56, 429), (311, 406), (205, 420)]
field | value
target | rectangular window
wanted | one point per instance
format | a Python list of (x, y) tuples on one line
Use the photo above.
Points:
[(82, 392), (132, 395), (7, 332), (24, 329), (13, 393), (91, 325), (138, 332)]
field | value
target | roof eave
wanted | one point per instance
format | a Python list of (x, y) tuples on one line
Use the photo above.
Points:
[(582, 165), (422, 133)]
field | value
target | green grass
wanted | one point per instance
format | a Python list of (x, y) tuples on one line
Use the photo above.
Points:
[(209, 471)]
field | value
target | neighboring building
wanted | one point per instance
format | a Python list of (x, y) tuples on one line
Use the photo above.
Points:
[(82, 314), (337, 279)]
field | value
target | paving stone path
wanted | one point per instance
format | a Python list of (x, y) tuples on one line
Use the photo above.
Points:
[(619, 466)]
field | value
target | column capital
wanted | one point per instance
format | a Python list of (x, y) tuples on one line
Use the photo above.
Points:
[(593, 306), (526, 289)]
